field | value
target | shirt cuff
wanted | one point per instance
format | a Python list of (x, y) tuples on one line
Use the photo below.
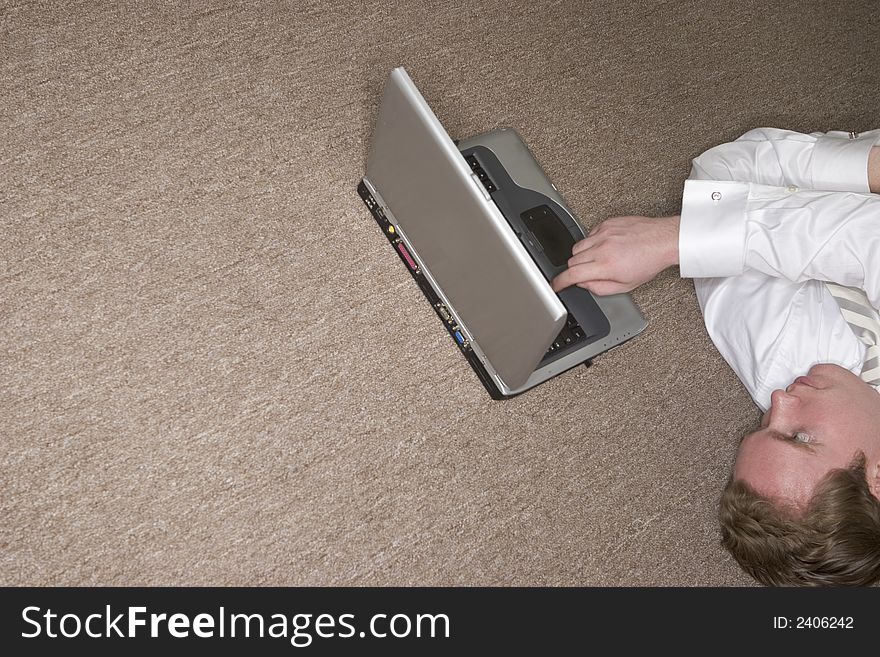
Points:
[(712, 232), (841, 164)]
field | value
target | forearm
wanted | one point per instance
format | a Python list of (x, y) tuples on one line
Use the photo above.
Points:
[(713, 236), (719, 215), (672, 247), (728, 228), (832, 161)]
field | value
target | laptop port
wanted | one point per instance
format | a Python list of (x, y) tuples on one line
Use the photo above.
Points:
[(459, 338), (444, 313), (406, 256), (481, 173)]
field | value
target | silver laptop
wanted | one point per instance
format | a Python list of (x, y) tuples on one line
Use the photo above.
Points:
[(482, 230)]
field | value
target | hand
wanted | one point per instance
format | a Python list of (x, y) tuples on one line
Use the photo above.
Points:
[(622, 253)]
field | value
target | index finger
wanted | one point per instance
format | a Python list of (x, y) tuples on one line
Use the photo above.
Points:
[(588, 271)]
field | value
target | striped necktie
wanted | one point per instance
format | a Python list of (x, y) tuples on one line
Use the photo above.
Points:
[(865, 323)]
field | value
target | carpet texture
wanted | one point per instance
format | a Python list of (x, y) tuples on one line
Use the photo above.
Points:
[(213, 369)]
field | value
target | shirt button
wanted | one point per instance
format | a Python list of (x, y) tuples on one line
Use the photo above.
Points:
[(792, 188), (716, 196)]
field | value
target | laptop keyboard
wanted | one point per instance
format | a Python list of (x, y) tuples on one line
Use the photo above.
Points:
[(571, 334)]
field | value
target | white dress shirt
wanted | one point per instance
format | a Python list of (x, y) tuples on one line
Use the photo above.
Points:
[(765, 219)]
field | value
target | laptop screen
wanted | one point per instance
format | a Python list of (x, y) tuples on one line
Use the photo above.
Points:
[(458, 236)]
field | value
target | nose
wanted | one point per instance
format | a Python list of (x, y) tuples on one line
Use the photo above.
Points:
[(780, 415)]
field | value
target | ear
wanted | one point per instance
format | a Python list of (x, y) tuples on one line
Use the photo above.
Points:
[(873, 474)]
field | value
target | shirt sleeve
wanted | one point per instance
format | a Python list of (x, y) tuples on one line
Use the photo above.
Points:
[(785, 204), (832, 161), (728, 228)]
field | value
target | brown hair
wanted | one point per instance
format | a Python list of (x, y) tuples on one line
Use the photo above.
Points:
[(834, 542)]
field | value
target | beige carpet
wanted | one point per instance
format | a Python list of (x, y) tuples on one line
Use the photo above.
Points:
[(215, 371)]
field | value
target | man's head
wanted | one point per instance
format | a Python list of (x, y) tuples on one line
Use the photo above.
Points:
[(803, 503)]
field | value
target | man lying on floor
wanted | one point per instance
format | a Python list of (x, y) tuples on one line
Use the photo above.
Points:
[(781, 233)]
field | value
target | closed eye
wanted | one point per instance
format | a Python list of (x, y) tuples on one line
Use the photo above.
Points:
[(801, 440)]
